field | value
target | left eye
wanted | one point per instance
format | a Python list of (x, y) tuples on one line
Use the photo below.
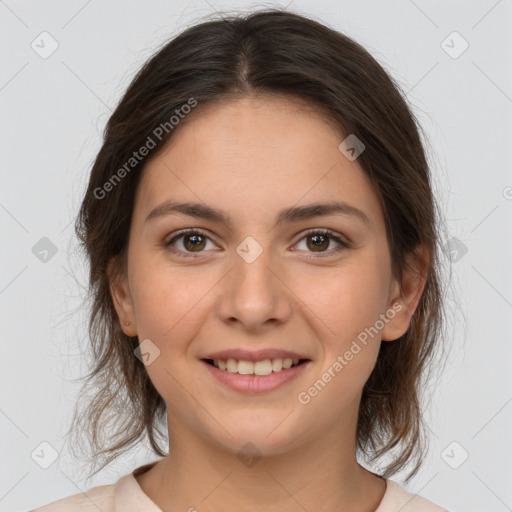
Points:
[(320, 239), (193, 242)]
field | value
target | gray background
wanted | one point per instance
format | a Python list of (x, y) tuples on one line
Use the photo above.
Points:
[(52, 112)]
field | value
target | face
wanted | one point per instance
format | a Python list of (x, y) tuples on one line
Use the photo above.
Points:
[(310, 283)]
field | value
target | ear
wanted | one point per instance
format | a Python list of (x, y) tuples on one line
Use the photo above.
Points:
[(404, 299), (122, 299)]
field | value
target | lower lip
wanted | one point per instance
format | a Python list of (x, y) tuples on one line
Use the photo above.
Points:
[(254, 384)]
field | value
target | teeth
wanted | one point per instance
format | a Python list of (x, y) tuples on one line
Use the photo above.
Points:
[(265, 367)]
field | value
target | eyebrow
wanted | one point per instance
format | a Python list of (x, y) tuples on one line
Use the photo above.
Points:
[(292, 214)]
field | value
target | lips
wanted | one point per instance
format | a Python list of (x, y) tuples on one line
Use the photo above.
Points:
[(254, 384), (254, 356)]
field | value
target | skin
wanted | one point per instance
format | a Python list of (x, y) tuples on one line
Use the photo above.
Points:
[(252, 157)]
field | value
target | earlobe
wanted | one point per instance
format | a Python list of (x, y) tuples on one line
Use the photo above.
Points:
[(121, 297), (404, 299)]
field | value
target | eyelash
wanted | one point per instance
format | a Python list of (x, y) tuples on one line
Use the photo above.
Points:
[(196, 231)]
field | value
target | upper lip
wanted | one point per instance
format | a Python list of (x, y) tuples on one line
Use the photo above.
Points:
[(254, 355)]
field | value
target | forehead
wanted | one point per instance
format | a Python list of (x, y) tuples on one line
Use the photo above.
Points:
[(255, 155)]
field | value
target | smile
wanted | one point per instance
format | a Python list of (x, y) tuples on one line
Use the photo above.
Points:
[(255, 377), (243, 367)]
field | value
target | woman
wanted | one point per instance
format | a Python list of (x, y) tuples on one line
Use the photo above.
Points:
[(263, 248)]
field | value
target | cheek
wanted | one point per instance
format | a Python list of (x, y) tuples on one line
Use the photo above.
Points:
[(169, 304), (347, 299), (349, 302), (168, 300)]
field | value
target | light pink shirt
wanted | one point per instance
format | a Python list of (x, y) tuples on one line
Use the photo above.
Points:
[(127, 496)]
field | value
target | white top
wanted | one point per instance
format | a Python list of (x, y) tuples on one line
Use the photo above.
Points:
[(126, 495)]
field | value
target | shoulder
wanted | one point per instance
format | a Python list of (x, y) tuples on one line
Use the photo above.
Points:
[(100, 497), (397, 499), (125, 494)]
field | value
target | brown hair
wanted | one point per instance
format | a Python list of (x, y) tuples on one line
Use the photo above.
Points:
[(266, 52)]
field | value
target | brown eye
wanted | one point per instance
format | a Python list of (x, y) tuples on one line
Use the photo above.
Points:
[(194, 242), (318, 242), (188, 242)]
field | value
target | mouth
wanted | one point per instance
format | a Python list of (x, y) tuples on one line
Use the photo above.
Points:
[(258, 368), (256, 377)]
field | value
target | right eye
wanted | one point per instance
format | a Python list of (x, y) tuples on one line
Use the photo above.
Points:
[(191, 240)]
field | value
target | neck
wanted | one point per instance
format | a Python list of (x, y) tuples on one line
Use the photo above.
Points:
[(321, 475)]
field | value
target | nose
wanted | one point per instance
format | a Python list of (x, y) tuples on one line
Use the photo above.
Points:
[(255, 294)]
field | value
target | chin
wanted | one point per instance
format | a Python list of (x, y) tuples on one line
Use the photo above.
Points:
[(259, 438)]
